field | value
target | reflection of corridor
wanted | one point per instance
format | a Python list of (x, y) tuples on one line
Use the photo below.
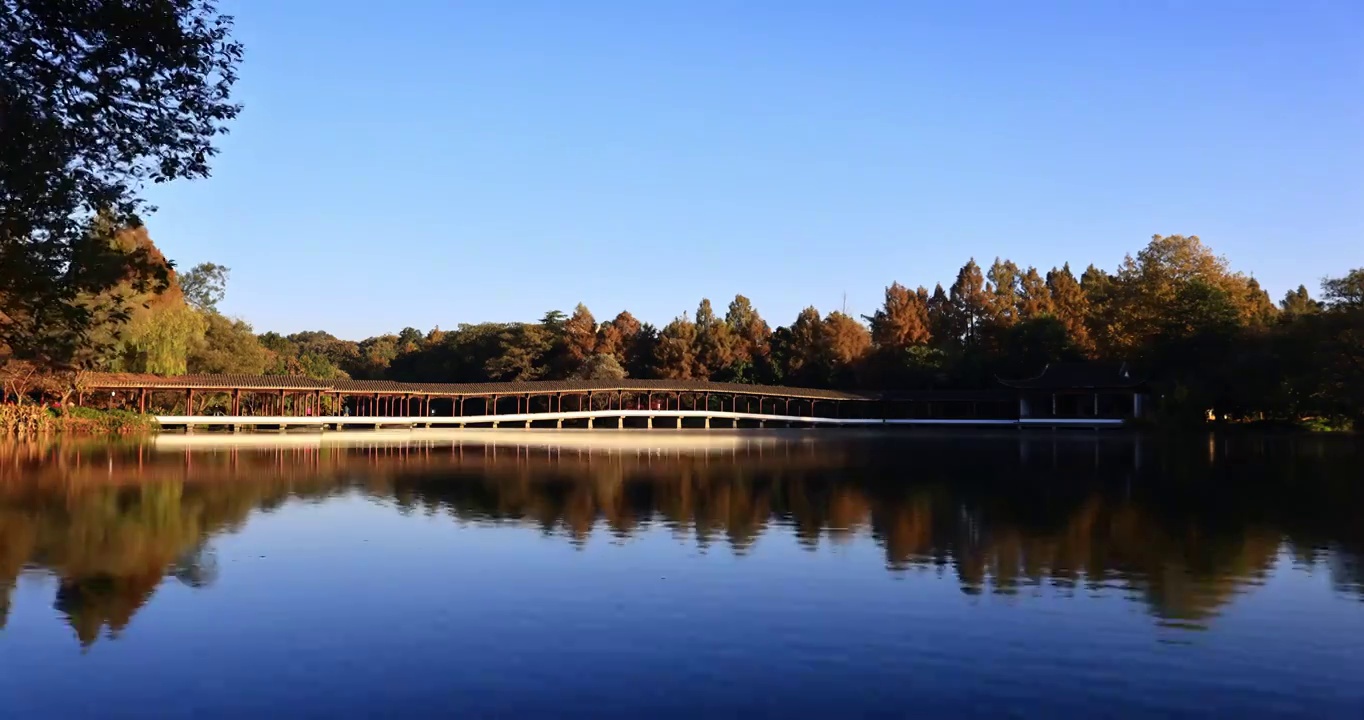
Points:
[(1183, 530)]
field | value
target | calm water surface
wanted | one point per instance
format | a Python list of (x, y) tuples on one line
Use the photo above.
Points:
[(681, 575)]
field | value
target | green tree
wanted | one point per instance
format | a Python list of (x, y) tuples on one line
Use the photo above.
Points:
[(801, 348), (600, 367), (1299, 302), (205, 285), (96, 99), (1346, 291), (942, 321), (229, 347), (523, 350), (162, 338), (410, 339)]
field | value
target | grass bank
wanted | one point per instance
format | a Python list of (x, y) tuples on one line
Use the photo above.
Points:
[(32, 420)]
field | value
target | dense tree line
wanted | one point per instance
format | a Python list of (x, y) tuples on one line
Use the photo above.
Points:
[(1209, 338)]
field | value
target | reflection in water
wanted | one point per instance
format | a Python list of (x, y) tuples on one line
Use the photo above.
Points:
[(1183, 528)]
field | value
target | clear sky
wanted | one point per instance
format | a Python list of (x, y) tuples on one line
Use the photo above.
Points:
[(435, 162)]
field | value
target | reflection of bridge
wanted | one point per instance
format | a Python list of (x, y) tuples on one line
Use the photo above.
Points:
[(234, 401)]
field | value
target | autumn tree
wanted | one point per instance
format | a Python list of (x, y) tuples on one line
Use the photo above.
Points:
[(970, 305), (613, 337), (675, 354), (138, 331), (752, 341), (580, 334), (1034, 296), (716, 344), (1070, 305), (902, 320), (1146, 290), (96, 100), (843, 343), (1003, 293)]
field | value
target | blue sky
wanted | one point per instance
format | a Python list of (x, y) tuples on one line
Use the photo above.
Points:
[(434, 162)]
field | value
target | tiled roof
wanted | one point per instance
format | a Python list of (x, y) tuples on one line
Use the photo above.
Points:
[(104, 381), (284, 382)]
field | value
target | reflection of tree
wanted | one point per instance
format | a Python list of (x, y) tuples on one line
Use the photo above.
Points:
[(96, 601), (1185, 532)]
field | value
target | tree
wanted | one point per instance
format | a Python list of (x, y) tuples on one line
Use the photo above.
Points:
[(376, 355), (902, 320), (204, 286), (843, 343), (675, 355), (970, 304), (409, 339), (161, 338), (1254, 305), (1299, 302), (1070, 304), (942, 321), (1345, 292), (523, 349), (580, 334), (600, 367), (802, 343), (615, 337), (751, 332), (96, 99), (1145, 290), (1034, 296), (1003, 292), (229, 347), (716, 345)]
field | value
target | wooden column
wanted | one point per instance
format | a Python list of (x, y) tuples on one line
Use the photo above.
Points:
[(189, 401)]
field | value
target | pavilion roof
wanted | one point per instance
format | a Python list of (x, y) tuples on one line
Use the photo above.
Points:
[(1079, 376)]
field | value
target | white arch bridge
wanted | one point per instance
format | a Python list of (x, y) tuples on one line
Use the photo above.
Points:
[(282, 402), (595, 419)]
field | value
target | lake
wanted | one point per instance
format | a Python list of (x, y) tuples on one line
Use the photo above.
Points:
[(683, 574)]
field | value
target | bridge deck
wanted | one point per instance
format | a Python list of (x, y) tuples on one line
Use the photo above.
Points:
[(592, 415)]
